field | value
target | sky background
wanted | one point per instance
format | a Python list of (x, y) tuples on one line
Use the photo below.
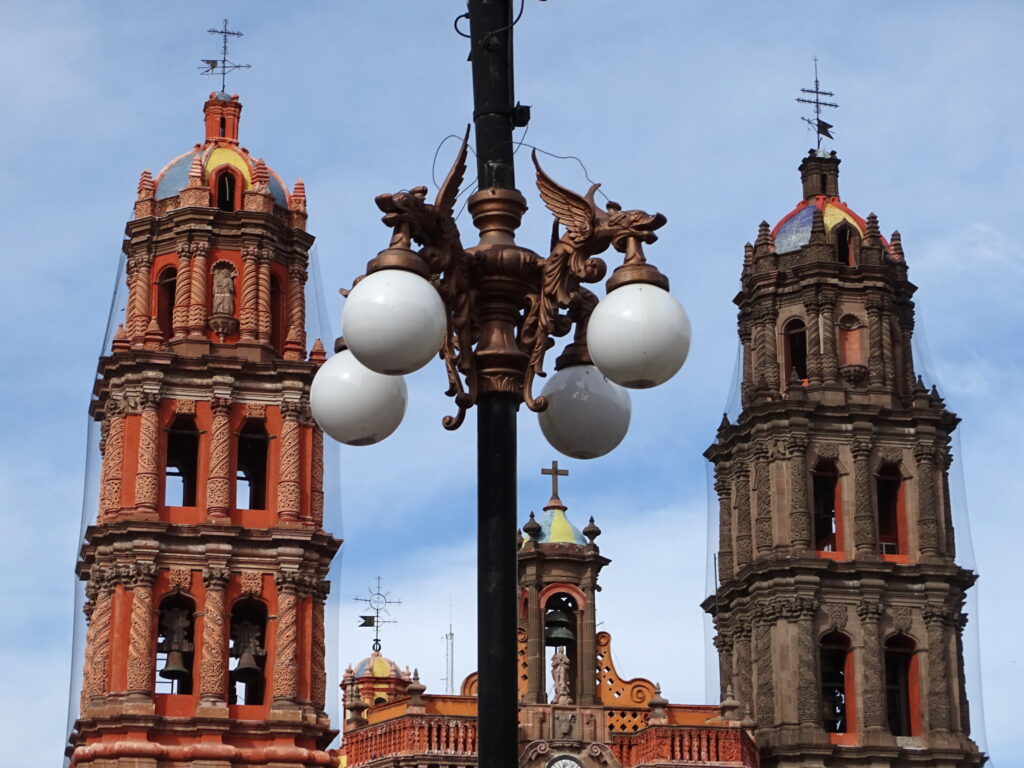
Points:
[(682, 107)]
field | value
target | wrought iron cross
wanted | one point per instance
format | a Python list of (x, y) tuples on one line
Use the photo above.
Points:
[(555, 473), (222, 65), (821, 128)]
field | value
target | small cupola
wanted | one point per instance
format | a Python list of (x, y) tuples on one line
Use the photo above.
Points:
[(820, 174), (222, 114)]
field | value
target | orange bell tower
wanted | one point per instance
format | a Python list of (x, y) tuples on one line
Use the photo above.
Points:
[(206, 568)]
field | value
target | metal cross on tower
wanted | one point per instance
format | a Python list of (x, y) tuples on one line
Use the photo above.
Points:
[(555, 473), (222, 65), (378, 601), (821, 128)]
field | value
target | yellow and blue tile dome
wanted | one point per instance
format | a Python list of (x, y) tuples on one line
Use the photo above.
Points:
[(793, 231)]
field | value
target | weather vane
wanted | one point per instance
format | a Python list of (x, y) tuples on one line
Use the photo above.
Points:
[(378, 601), (820, 127), (222, 65)]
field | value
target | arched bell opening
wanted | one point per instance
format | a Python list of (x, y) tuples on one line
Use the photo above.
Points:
[(827, 519), (835, 663), (180, 474), (901, 694), (251, 474), (847, 241), (175, 644), (165, 288), (247, 654), (794, 358), (561, 633), (891, 519)]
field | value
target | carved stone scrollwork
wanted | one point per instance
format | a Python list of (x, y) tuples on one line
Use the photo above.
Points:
[(213, 670), (765, 698), (218, 487), (927, 513), (289, 486), (286, 673), (197, 289), (248, 315), (251, 583), (723, 487), (763, 525), (799, 516), (873, 697), (741, 473), (902, 618), (828, 451), (141, 656), (937, 618), (146, 477), (890, 455), (179, 579), (838, 615), (864, 537)]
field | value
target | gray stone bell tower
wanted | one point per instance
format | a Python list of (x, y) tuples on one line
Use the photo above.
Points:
[(839, 613)]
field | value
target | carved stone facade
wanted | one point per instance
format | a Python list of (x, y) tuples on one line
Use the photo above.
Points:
[(836, 541), (211, 489)]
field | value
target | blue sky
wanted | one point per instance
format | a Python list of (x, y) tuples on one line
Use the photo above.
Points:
[(682, 107)]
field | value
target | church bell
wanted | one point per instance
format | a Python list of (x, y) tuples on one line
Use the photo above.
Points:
[(248, 671), (558, 628), (174, 667)]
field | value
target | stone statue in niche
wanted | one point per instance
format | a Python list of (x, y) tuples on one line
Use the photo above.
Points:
[(560, 677), (222, 318)]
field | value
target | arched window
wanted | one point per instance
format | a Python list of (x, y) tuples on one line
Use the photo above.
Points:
[(222, 125), (251, 478), (248, 654), (849, 340), (827, 537), (836, 673), (795, 357), (847, 244), (889, 494), (899, 661), (165, 288), (226, 191), (182, 463), (277, 306), (175, 644), (560, 633)]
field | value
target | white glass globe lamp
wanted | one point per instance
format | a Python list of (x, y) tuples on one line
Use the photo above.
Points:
[(355, 405), (587, 415), (394, 321), (639, 335)]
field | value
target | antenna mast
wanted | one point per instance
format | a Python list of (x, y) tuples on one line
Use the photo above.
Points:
[(449, 654)]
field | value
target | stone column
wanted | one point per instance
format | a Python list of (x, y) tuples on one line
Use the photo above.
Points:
[(288, 483), (535, 646), (723, 486), (799, 514), (96, 680), (286, 669), (213, 671), (263, 297), (906, 332), (113, 460), (318, 660), (888, 363), (864, 537), (724, 645), (743, 667), (316, 493), (965, 708), (218, 484), (248, 315), (764, 620), (139, 268), (197, 291), (808, 691), (927, 514), (814, 356), (741, 474), (587, 650), (91, 593), (871, 673), (147, 479), (763, 514), (936, 620), (747, 378), (142, 634), (830, 355), (875, 372), (295, 344), (767, 364), (182, 292), (945, 462)]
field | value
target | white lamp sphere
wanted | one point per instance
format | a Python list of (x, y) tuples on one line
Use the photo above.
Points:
[(393, 321), (639, 336), (587, 415), (355, 405)]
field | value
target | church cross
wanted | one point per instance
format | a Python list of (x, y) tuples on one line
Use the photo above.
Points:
[(555, 473), (223, 65), (821, 128)]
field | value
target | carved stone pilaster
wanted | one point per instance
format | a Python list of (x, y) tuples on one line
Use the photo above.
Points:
[(875, 372), (214, 667), (864, 537), (873, 675), (288, 486), (748, 358), (764, 699), (147, 478), (723, 486), (927, 514), (139, 267), (906, 331), (830, 354), (724, 645), (965, 707), (295, 343), (316, 486), (141, 638), (799, 514), (286, 669), (263, 297), (197, 308), (741, 473), (743, 665), (113, 461), (945, 462), (808, 692), (814, 362), (182, 292), (248, 314), (936, 619), (888, 362), (218, 485), (763, 515), (318, 668)]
